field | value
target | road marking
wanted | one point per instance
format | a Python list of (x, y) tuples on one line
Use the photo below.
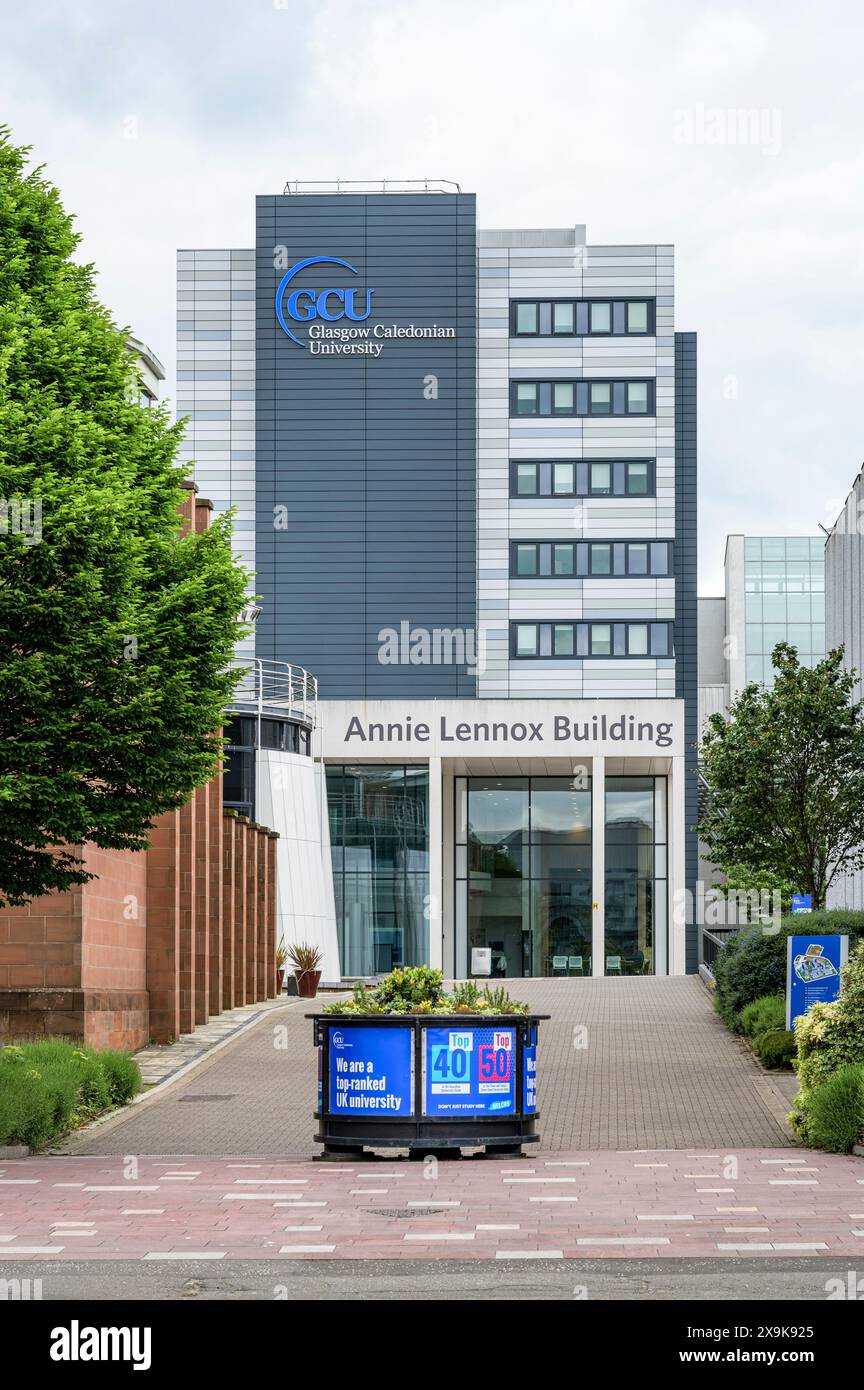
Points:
[(650, 1165), (439, 1235), (793, 1182), (434, 1204), (25, 1182), (678, 1216), (623, 1240), (498, 1228), (143, 1211), (716, 1190), (368, 1192), (567, 1163), (529, 1254), (295, 1206), (272, 1182), (255, 1196), (775, 1245), (540, 1180), (34, 1250), (733, 1211), (553, 1199), (184, 1255), (306, 1249), (121, 1187), (293, 1229)]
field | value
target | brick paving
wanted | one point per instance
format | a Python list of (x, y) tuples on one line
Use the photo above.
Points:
[(757, 1203), (624, 1064)]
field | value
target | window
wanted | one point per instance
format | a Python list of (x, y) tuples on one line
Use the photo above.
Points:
[(526, 398), (527, 318), (563, 479), (601, 397), (609, 640), (582, 398), (560, 559), (576, 318), (601, 479), (600, 317), (526, 559), (526, 639), (637, 316), (526, 480), (564, 318), (588, 478)]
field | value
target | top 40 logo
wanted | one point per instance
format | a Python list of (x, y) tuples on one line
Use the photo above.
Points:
[(303, 305)]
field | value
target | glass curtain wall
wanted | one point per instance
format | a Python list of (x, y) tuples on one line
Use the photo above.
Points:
[(523, 871), (636, 866), (784, 582), (379, 837)]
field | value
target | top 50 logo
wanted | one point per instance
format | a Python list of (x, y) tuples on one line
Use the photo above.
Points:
[(303, 305)]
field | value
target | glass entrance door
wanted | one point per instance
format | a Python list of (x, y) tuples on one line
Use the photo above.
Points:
[(524, 866)]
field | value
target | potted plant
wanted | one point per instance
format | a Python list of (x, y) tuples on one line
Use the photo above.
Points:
[(281, 957), (305, 960)]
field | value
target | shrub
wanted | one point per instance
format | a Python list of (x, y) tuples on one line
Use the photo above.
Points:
[(831, 1117), (123, 1075), (420, 990), (765, 1013), (410, 987), (830, 1036), (775, 1049), (753, 961)]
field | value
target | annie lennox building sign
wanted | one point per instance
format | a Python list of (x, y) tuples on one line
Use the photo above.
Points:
[(543, 728)]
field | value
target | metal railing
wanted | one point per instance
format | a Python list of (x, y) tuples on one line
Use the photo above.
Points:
[(713, 943), (276, 688), (321, 186)]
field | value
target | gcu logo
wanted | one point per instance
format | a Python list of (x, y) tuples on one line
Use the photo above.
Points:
[(331, 305)]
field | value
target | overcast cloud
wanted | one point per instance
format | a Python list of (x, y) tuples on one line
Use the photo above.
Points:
[(159, 123)]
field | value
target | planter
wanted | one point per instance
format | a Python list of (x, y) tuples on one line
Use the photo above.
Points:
[(280, 977), (307, 983), (426, 1082)]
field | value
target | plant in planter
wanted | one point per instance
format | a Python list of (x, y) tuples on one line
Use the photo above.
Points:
[(305, 960), (281, 958), (419, 989)]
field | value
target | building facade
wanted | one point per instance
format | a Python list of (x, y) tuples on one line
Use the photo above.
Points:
[(775, 592), (464, 471), (844, 626)]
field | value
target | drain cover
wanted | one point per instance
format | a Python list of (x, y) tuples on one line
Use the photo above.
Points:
[(405, 1212), (183, 1099)]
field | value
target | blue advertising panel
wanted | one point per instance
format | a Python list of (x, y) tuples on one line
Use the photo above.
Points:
[(813, 965), (529, 1080), (469, 1071), (370, 1071), (802, 902)]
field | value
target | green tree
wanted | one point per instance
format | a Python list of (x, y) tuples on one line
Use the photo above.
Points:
[(115, 631), (785, 777)]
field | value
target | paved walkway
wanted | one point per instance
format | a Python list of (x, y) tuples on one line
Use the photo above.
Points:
[(624, 1064), (159, 1061), (757, 1203)]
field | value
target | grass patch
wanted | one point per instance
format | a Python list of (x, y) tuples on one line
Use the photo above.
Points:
[(51, 1086)]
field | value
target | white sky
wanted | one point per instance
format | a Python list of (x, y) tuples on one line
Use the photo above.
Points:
[(160, 122)]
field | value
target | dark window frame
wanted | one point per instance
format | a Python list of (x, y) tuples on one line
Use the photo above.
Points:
[(611, 299), (515, 465), (627, 543), (588, 624), (576, 414)]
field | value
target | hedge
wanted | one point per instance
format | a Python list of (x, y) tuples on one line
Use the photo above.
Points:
[(752, 963), (831, 1117)]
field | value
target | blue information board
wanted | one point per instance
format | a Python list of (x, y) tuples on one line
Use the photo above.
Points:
[(813, 965), (370, 1071), (802, 902), (469, 1070), (529, 1080)]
